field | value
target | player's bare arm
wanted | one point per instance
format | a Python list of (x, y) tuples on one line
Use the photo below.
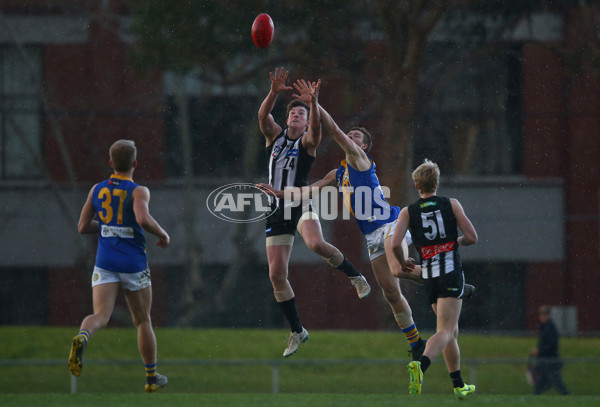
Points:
[(399, 234), (269, 128), (306, 192), (355, 155), (469, 236), (87, 224), (141, 201), (308, 92)]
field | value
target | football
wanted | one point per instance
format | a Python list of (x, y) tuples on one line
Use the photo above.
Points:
[(262, 30)]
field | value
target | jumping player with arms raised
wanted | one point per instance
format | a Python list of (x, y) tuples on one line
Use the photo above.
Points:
[(291, 153)]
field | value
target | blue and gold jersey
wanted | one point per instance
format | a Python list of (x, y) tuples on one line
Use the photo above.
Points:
[(364, 198), (121, 242)]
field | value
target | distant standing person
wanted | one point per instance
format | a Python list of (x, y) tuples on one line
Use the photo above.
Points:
[(547, 369), (434, 222), (122, 211), (291, 151)]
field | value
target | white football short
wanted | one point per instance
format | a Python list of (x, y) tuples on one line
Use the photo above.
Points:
[(129, 281), (376, 239)]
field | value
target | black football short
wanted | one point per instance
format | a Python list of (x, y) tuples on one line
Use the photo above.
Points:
[(280, 224), (447, 285)]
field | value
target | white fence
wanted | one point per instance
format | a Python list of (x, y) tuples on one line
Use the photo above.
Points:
[(275, 364)]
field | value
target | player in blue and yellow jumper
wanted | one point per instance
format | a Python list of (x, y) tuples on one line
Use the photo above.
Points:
[(117, 211)]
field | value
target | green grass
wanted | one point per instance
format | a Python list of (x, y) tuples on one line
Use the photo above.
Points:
[(109, 383), (286, 400)]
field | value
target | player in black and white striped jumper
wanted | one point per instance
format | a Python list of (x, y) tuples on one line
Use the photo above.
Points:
[(292, 152), (434, 222)]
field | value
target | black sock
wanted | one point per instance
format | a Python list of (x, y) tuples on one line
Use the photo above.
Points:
[(291, 314), (457, 380), (347, 268), (425, 362)]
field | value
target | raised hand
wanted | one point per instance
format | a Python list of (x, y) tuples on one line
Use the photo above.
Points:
[(314, 91), (278, 80), (304, 91)]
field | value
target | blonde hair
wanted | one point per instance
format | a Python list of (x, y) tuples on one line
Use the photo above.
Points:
[(123, 154), (427, 176)]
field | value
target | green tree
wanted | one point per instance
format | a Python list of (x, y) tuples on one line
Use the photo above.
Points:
[(368, 52)]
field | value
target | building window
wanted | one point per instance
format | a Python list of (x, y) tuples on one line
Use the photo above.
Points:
[(471, 122), (221, 128), (20, 112)]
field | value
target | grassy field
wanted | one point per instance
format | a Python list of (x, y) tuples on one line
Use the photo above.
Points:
[(113, 372), (286, 400)]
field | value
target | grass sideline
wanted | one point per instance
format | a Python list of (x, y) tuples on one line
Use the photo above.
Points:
[(356, 384), (286, 400)]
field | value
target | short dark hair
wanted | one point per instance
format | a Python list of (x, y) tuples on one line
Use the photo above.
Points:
[(367, 138), (123, 154), (295, 103)]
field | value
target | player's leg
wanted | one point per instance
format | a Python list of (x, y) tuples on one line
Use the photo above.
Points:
[(398, 303), (557, 380), (140, 303), (310, 230), (447, 310), (452, 357), (542, 379), (279, 249), (104, 296)]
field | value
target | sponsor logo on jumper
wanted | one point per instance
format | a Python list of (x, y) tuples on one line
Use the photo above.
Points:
[(426, 204), (432, 251), (125, 232), (276, 151)]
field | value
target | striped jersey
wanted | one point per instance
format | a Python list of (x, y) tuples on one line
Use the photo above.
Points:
[(434, 233), (289, 162), (121, 242), (364, 198)]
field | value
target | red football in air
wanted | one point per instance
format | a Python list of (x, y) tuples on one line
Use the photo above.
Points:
[(262, 30)]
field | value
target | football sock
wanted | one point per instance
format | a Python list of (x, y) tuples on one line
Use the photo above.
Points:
[(86, 336), (412, 335), (457, 380), (150, 370), (425, 362), (291, 314), (347, 268)]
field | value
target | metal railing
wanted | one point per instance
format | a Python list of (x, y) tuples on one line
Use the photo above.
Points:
[(275, 364)]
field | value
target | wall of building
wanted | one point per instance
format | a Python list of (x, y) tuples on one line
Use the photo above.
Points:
[(561, 126), (547, 220)]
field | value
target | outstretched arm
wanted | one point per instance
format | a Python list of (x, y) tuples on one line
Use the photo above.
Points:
[(355, 155), (306, 192), (308, 92), (266, 122)]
